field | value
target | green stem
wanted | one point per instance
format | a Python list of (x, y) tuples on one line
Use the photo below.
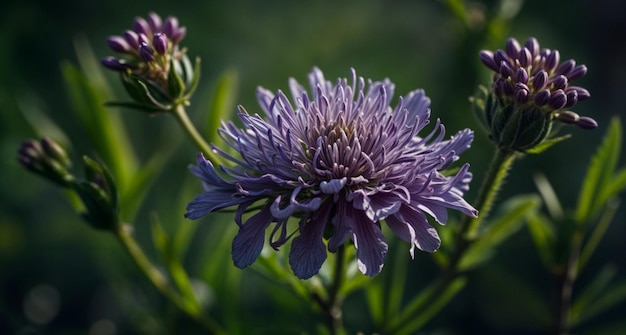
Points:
[(181, 115), (332, 305), (160, 282), (565, 284), (498, 170), (493, 180)]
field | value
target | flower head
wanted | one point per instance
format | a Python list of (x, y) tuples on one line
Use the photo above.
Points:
[(156, 71), (341, 162), (530, 85)]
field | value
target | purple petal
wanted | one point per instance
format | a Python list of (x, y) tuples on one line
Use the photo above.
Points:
[(208, 202), (412, 226), (333, 186), (369, 242), (308, 251), (248, 243)]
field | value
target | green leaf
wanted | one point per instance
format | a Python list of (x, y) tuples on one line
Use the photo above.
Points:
[(222, 104), (546, 144), (515, 211), (598, 232), (599, 174), (542, 231), (593, 290), (430, 309), (608, 298), (104, 127), (175, 82), (375, 295), (175, 269), (150, 109)]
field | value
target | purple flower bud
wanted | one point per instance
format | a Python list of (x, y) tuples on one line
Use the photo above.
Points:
[(509, 88), (522, 93), (558, 99), (525, 57), (540, 80), (552, 60), (586, 122), (115, 64), (498, 86), (577, 72), (572, 98), (565, 67), (132, 39), (542, 97), (533, 46), (505, 70), (521, 76), (512, 48), (170, 26), (583, 94), (119, 44), (146, 53), (179, 35), (154, 21), (142, 39), (141, 26), (159, 42), (487, 58), (559, 82), (568, 117), (500, 56)]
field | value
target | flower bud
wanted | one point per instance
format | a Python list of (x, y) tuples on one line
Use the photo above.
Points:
[(586, 122), (558, 99), (47, 159), (119, 44), (98, 193), (159, 41), (146, 53), (512, 48), (568, 117)]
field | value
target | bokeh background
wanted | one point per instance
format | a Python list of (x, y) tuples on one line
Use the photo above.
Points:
[(58, 276)]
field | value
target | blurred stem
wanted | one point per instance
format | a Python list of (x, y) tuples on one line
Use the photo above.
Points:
[(181, 115), (565, 278), (493, 180), (332, 305), (160, 282)]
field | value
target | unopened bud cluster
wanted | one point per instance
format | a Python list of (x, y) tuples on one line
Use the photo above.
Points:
[(97, 189), (156, 72), (530, 89), (46, 158)]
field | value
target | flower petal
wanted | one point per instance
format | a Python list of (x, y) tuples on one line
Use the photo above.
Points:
[(208, 202), (248, 243), (308, 252), (369, 242)]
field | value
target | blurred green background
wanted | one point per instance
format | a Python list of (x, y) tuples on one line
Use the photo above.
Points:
[(87, 281)]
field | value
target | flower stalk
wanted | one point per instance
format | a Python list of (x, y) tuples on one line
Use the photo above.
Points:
[(160, 282), (181, 116)]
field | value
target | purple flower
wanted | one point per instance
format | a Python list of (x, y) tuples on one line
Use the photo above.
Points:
[(333, 166)]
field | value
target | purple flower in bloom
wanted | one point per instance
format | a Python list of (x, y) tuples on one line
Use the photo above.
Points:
[(340, 162)]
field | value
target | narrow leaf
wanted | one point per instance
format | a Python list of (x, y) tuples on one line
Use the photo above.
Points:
[(223, 103), (599, 173), (592, 291), (515, 210), (542, 231)]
